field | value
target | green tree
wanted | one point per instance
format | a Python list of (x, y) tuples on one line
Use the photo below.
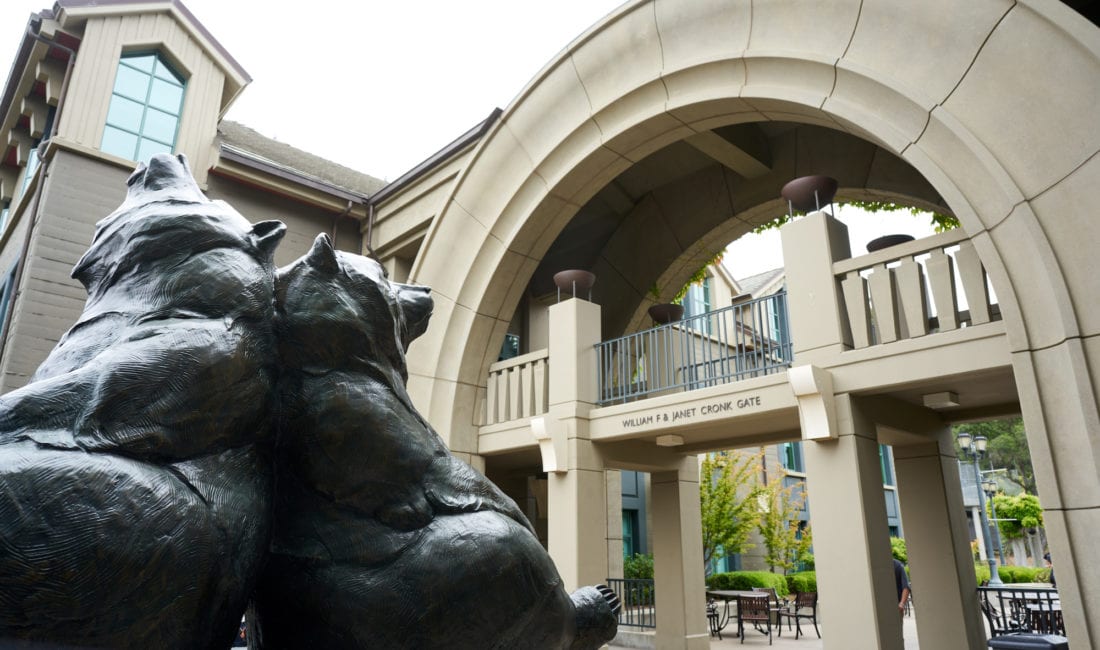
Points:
[(1018, 513), (1007, 448), (728, 491), (785, 542)]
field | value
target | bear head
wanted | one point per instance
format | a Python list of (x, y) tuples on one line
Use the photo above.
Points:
[(169, 249), (338, 310)]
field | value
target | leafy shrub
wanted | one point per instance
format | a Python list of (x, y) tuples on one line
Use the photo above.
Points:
[(1012, 574), (744, 580), (804, 581), (637, 566), (981, 572), (897, 548), (1017, 574)]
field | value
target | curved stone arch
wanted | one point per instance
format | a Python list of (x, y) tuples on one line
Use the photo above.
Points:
[(952, 99)]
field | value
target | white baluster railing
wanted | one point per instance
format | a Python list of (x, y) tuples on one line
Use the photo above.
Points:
[(935, 284), (517, 388)]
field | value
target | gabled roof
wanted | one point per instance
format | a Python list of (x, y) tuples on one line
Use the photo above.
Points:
[(248, 146), (755, 285), (72, 14)]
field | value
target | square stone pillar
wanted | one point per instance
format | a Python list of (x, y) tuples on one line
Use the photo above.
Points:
[(855, 574), (577, 530), (936, 538), (578, 527), (678, 559), (819, 321)]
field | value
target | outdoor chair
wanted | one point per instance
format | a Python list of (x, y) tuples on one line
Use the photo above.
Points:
[(712, 619), (753, 610), (1004, 616), (803, 607), (774, 604)]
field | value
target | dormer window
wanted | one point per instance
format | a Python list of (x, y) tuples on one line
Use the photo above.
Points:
[(144, 115)]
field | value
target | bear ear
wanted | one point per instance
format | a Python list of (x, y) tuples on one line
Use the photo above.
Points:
[(321, 256), (266, 235)]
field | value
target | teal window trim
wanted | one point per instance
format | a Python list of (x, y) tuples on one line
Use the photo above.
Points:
[(696, 301), (7, 293), (146, 107)]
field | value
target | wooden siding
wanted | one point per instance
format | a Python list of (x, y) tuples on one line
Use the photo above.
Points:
[(105, 40), (303, 222), (78, 193)]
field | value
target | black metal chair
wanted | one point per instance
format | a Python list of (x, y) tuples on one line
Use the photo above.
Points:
[(803, 607), (713, 619), (755, 610), (1000, 619)]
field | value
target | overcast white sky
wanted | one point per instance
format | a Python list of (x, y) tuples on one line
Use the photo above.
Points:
[(380, 85)]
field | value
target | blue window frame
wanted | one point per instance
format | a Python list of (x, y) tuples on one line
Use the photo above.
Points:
[(144, 115), (790, 456), (7, 292), (697, 302), (886, 461)]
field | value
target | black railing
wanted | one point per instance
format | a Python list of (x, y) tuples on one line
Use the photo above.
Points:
[(636, 595), (749, 339), (1021, 609)]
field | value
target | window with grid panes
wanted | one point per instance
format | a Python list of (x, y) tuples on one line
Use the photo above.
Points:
[(144, 115)]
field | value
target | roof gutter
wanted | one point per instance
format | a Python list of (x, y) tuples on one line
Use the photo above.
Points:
[(20, 61), (237, 155), (463, 141)]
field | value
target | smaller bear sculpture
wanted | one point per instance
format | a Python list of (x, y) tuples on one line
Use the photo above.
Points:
[(382, 538), (136, 466)]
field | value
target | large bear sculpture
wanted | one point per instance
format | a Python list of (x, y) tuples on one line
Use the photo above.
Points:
[(135, 468), (382, 538)]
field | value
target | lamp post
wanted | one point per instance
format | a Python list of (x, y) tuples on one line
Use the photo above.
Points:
[(989, 486), (973, 448)]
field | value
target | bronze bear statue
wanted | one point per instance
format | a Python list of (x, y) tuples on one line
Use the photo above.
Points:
[(135, 468), (382, 538)]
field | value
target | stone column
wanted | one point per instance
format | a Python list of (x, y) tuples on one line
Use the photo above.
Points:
[(678, 559), (848, 515), (819, 322), (578, 527), (938, 543)]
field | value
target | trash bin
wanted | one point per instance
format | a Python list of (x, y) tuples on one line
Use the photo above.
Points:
[(1029, 642)]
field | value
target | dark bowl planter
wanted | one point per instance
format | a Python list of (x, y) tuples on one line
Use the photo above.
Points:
[(886, 241), (665, 312), (574, 282), (809, 193)]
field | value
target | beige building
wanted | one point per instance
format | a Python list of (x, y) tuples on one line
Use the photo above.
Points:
[(659, 135)]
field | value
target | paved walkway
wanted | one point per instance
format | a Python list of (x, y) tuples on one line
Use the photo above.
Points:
[(811, 642)]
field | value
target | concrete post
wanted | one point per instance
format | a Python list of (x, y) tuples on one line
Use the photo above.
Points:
[(819, 322), (848, 515), (578, 530), (678, 559), (937, 540)]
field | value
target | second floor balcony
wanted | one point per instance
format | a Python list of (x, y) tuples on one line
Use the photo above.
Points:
[(913, 314)]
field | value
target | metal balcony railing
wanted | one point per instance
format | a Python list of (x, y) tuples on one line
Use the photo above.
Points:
[(745, 340), (637, 597)]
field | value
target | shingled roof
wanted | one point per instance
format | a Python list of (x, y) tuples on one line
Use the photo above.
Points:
[(251, 142), (754, 283)]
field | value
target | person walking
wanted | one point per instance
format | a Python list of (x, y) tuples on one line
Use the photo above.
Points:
[(902, 581)]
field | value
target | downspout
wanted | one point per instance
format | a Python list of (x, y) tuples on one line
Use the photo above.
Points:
[(336, 221), (33, 213), (370, 232)]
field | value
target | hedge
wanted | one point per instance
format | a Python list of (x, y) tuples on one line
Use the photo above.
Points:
[(803, 581), (1012, 574), (745, 580)]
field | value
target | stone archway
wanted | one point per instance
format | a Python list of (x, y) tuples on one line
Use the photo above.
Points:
[(973, 102)]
